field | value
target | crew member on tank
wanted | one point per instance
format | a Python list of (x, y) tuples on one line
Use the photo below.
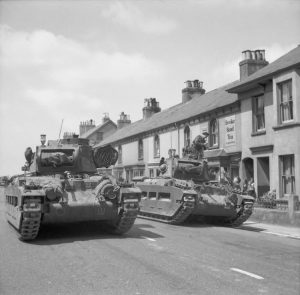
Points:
[(162, 169)]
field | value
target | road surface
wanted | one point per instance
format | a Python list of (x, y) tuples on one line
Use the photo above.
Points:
[(153, 258)]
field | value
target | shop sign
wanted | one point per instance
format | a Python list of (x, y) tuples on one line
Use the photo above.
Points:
[(230, 136)]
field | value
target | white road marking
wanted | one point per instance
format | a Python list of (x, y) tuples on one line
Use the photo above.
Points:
[(247, 273), (149, 239), (282, 235)]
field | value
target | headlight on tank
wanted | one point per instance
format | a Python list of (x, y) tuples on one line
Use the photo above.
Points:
[(131, 201), (189, 198), (32, 204)]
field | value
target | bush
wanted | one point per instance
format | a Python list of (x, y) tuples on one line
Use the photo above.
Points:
[(268, 200)]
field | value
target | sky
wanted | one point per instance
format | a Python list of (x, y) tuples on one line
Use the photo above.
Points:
[(76, 60)]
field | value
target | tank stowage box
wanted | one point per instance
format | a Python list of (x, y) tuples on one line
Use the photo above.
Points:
[(60, 184)]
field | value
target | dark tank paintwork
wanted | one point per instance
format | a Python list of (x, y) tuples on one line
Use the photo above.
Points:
[(60, 184), (185, 190)]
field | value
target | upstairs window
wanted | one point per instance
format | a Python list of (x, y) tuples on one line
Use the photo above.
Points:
[(187, 136), (258, 113), (120, 154), (213, 133), (285, 99), (156, 146), (140, 150)]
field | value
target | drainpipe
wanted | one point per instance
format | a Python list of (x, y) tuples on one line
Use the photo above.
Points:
[(178, 134)]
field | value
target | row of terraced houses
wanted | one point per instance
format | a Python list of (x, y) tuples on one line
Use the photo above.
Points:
[(253, 126)]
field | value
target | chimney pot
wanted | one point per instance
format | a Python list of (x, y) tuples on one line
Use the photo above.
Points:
[(252, 62), (151, 106), (192, 88)]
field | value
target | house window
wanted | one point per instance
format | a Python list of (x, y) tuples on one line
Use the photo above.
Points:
[(187, 136), (140, 150), (120, 154), (138, 172), (151, 173), (156, 146), (99, 136), (287, 171), (258, 113), (213, 133), (285, 101)]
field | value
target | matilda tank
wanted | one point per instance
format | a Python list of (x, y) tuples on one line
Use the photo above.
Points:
[(60, 184), (184, 191)]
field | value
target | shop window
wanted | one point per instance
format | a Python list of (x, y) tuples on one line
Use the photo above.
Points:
[(258, 112), (285, 99), (213, 133), (287, 171), (120, 154), (140, 150), (156, 146), (187, 136), (138, 172)]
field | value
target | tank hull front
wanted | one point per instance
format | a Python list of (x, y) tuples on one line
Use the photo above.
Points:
[(89, 210)]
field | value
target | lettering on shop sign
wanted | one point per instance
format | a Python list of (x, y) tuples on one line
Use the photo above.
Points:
[(230, 131)]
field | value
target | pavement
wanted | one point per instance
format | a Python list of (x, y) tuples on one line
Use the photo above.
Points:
[(273, 229)]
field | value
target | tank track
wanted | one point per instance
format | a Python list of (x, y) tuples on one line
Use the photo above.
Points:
[(179, 217), (242, 216), (29, 227), (125, 222)]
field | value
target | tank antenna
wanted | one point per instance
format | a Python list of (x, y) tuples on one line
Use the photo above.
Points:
[(62, 121)]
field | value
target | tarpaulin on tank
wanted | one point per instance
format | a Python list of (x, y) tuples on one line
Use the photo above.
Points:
[(105, 156)]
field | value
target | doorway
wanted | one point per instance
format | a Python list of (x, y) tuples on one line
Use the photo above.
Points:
[(248, 168), (263, 175)]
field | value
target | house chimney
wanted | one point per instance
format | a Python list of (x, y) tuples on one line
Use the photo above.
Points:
[(191, 89), (86, 126), (252, 61), (123, 121), (105, 118), (151, 106), (69, 135)]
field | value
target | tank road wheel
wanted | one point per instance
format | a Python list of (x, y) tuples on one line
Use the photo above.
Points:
[(29, 227)]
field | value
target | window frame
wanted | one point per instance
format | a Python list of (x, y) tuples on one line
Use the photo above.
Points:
[(140, 149), (289, 102), (99, 136), (257, 113), (187, 136), (156, 146), (214, 134), (288, 179), (120, 152)]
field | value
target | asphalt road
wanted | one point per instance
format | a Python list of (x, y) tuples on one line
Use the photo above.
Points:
[(153, 258)]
